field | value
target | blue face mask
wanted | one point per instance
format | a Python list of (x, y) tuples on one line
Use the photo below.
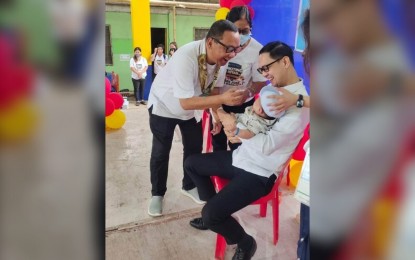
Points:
[(244, 38)]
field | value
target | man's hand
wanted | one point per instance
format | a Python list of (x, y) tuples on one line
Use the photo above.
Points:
[(233, 97), (217, 126), (283, 101), (228, 120), (234, 140), (155, 50)]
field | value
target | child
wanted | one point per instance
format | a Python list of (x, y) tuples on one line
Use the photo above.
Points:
[(257, 118)]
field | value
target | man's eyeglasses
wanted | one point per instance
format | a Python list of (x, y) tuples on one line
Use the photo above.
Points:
[(265, 68), (229, 49)]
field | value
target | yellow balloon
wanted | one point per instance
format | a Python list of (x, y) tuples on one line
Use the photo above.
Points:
[(116, 120), (19, 122), (221, 13)]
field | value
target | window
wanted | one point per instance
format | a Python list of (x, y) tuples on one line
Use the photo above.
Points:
[(108, 48), (200, 33)]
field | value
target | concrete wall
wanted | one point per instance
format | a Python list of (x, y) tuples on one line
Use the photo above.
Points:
[(120, 23)]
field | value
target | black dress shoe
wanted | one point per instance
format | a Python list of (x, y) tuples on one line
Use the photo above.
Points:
[(198, 223), (240, 254)]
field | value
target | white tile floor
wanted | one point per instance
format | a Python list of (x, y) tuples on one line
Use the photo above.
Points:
[(132, 234)]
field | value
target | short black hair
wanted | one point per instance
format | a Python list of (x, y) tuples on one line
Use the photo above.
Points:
[(219, 27), (239, 12), (278, 50), (160, 46)]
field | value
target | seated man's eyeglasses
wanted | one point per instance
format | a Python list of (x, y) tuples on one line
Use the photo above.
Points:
[(265, 68), (229, 49)]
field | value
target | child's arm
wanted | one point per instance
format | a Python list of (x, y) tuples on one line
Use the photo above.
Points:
[(228, 120)]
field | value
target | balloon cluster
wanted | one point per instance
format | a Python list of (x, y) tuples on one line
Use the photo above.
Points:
[(114, 117), (226, 5), (18, 113)]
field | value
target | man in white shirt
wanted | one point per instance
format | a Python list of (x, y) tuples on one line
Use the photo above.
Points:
[(178, 96), (254, 166)]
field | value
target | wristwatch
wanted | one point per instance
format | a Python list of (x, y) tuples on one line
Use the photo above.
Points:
[(300, 101)]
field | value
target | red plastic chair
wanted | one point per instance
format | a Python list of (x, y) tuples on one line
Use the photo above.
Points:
[(219, 183), (299, 153), (273, 196), (207, 137)]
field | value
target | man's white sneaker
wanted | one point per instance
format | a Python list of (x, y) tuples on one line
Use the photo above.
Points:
[(194, 195), (155, 208)]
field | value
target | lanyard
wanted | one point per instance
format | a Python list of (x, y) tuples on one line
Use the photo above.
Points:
[(203, 73)]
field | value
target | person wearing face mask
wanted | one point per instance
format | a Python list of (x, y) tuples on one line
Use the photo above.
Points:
[(240, 72), (138, 67), (178, 96)]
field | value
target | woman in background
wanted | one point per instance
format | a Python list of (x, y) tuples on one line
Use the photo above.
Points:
[(138, 67)]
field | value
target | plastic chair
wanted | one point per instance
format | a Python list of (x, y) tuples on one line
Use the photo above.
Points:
[(273, 196), (207, 137), (299, 153)]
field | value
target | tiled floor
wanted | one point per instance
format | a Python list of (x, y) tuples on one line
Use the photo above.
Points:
[(132, 234)]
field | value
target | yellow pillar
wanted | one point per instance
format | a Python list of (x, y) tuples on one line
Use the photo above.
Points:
[(140, 26)]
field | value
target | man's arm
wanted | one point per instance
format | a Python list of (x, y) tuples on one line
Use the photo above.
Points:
[(278, 136), (245, 134), (231, 97)]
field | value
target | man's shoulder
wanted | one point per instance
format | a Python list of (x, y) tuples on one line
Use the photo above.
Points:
[(254, 45), (187, 54), (189, 48)]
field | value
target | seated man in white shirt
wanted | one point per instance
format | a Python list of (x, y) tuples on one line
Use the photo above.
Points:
[(252, 168)]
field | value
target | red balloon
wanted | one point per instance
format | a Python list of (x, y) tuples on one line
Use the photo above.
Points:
[(107, 86), (117, 99), (247, 1), (225, 3), (251, 11), (109, 107), (237, 3)]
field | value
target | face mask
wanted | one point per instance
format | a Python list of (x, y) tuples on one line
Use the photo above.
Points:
[(244, 38), (138, 55)]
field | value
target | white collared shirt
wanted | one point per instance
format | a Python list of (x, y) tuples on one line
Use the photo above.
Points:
[(179, 79), (265, 154)]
